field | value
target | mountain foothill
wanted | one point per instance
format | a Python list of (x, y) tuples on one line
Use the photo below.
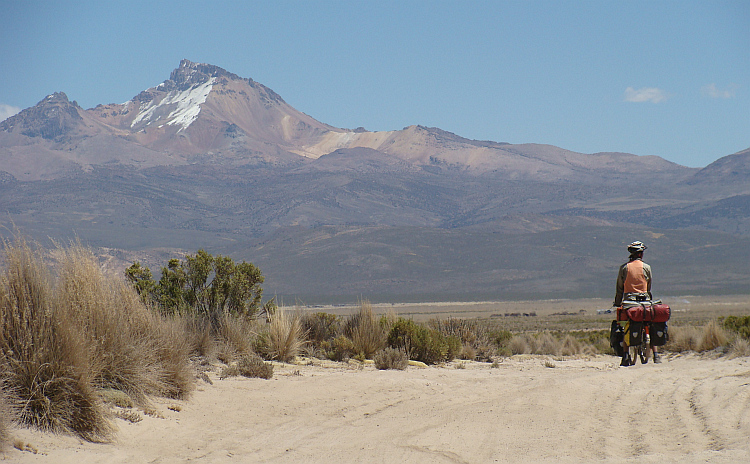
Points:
[(208, 159)]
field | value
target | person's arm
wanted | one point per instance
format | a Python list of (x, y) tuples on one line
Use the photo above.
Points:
[(647, 272), (620, 285)]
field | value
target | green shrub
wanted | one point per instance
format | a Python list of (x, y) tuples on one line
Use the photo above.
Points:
[(477, 339), (320, 328), (421, 343), (339, 349), (500, 337), (391, 358), (739, 325), (203, 284)]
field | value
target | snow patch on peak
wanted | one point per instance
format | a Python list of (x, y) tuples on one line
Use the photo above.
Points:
[(183, 106), (189, 105)]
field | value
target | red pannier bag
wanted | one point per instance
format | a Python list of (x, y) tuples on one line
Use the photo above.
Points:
[(658, 312), (661, 312), (639, 313)]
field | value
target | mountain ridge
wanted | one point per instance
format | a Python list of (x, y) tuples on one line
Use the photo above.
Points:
[(203, 112), (208, 159)]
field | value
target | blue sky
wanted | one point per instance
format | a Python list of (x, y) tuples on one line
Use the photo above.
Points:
[(667, 78)]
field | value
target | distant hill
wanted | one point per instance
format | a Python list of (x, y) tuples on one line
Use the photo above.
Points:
[(208, 159)]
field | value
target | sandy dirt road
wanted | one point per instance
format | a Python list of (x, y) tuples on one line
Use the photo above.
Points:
[(688, 409)]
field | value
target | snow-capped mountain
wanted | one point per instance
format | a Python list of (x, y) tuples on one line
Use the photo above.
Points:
[(203, 108), (208, 159), (205, 114)]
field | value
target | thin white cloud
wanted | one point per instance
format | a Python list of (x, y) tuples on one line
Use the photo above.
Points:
[(712, 91), (645, 94), (7, 111)]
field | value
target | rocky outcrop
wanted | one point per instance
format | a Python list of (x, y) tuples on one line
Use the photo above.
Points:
[(52, 118)]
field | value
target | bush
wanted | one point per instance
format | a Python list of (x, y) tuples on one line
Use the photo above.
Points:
[(234, 337), (570, 346), (391, 358), (203, 284), (739, 325), (518, 345), (421, 343), (321, 329), (475, 339), (339, 349), (251, 366)]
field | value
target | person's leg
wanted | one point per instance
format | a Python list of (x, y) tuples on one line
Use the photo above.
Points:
[(657, 359), (626, 359)]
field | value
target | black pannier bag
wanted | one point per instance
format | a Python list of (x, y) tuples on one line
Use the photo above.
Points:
[(658, 333), (636, 333), (616, 337)]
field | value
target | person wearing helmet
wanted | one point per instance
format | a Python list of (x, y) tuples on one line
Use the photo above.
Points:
[(633, 280)]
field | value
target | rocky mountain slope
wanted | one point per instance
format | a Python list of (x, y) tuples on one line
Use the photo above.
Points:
[(208, 159)]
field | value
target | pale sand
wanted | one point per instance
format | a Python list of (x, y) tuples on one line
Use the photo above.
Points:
[(688, 409)]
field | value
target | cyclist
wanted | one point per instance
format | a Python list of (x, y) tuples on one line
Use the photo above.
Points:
[(633, 281)]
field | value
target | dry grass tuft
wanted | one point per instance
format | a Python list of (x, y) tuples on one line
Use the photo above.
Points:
[(699, 339), (391, 358), (47, 362), (129, 415), (546, 344), (248, 366), (518, 345), (132, 348), (63, 340), (285, 337), (365, 331), (6, 419), (683, 339), (235, 335), (468, 352), (713, 336), (739, 348), (570, 346)]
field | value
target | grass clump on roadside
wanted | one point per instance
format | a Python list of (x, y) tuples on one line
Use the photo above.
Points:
[(64, 337), (251, 366), (391, 358), (365, 331), (285, 337)]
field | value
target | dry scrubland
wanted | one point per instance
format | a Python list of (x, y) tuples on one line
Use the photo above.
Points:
[(84, 357)]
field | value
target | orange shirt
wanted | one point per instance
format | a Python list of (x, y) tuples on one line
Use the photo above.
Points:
[(634, 277)]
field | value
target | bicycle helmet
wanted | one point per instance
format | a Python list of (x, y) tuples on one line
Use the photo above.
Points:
[(636, 247)]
